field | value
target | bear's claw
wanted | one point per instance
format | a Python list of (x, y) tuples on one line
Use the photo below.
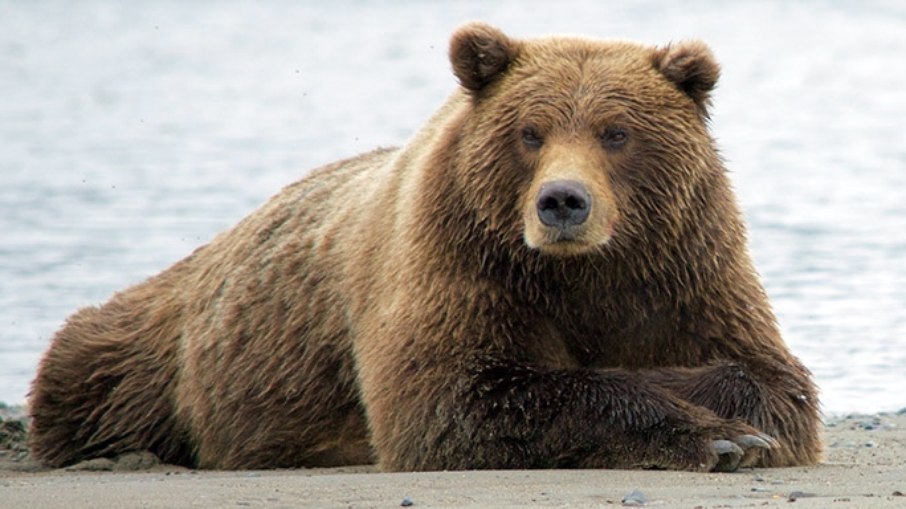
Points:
[(761, 441), (730, 453)]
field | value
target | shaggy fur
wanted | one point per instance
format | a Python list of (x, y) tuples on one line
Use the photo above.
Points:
[(408, 306)]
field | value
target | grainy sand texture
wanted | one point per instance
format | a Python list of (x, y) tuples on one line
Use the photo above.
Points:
[(864, 466)]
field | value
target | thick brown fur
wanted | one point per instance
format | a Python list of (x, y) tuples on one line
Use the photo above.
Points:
[(408, 307)]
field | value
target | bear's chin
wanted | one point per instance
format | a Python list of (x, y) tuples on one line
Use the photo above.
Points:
[(564, 248)]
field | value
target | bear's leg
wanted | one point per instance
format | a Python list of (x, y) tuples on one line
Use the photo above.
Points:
[(776, 397), (494, 414), (104, 387)]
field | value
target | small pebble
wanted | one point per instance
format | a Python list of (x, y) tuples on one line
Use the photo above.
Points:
[(635, 498), (899, 493), (761, 490), (870, 444), (777, 481), (407, 502), (758, 478), (799, 494)]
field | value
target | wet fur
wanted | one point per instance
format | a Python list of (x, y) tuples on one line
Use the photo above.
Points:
[(386, 308)]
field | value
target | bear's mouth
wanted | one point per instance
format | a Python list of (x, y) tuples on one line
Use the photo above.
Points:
[(568, 241), (566, 248), (564, 242), (562, 234), (554, 236)]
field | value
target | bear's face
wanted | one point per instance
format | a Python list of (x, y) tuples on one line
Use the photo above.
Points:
[(576, 145)]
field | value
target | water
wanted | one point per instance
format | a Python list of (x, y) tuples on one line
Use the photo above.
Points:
[(132, 132)]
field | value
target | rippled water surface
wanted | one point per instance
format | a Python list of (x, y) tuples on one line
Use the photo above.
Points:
[(132, 132)]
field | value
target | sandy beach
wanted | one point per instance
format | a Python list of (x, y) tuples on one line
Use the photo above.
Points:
[(864, 466)]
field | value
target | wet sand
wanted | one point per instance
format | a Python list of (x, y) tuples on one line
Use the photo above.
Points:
[(864, 466)]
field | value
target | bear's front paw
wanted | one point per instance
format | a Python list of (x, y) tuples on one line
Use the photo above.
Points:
[(731, 453)]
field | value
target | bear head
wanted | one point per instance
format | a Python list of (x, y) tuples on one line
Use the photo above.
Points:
[(575, 146)]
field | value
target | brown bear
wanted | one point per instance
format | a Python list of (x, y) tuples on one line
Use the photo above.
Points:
[(552, 273)]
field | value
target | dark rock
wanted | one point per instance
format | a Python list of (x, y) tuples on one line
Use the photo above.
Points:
[(407, 502), (12, 433), (795, 495)]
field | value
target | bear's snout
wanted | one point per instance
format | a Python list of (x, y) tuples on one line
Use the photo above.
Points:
[(563, 203)]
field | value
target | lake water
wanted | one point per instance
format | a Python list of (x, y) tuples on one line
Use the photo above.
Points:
[(132, 132)]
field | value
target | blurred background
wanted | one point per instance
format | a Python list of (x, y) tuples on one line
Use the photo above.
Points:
[(133, 132)]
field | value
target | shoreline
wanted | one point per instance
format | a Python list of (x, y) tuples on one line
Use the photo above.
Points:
[(864, 465)]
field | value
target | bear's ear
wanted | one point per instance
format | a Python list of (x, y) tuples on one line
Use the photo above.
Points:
[(691, 66), (480, 53)]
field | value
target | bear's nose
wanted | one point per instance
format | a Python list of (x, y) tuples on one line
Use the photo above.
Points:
[(563, 203)]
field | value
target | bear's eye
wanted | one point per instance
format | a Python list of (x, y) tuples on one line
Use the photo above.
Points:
[(614, 138), (531, 138)]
